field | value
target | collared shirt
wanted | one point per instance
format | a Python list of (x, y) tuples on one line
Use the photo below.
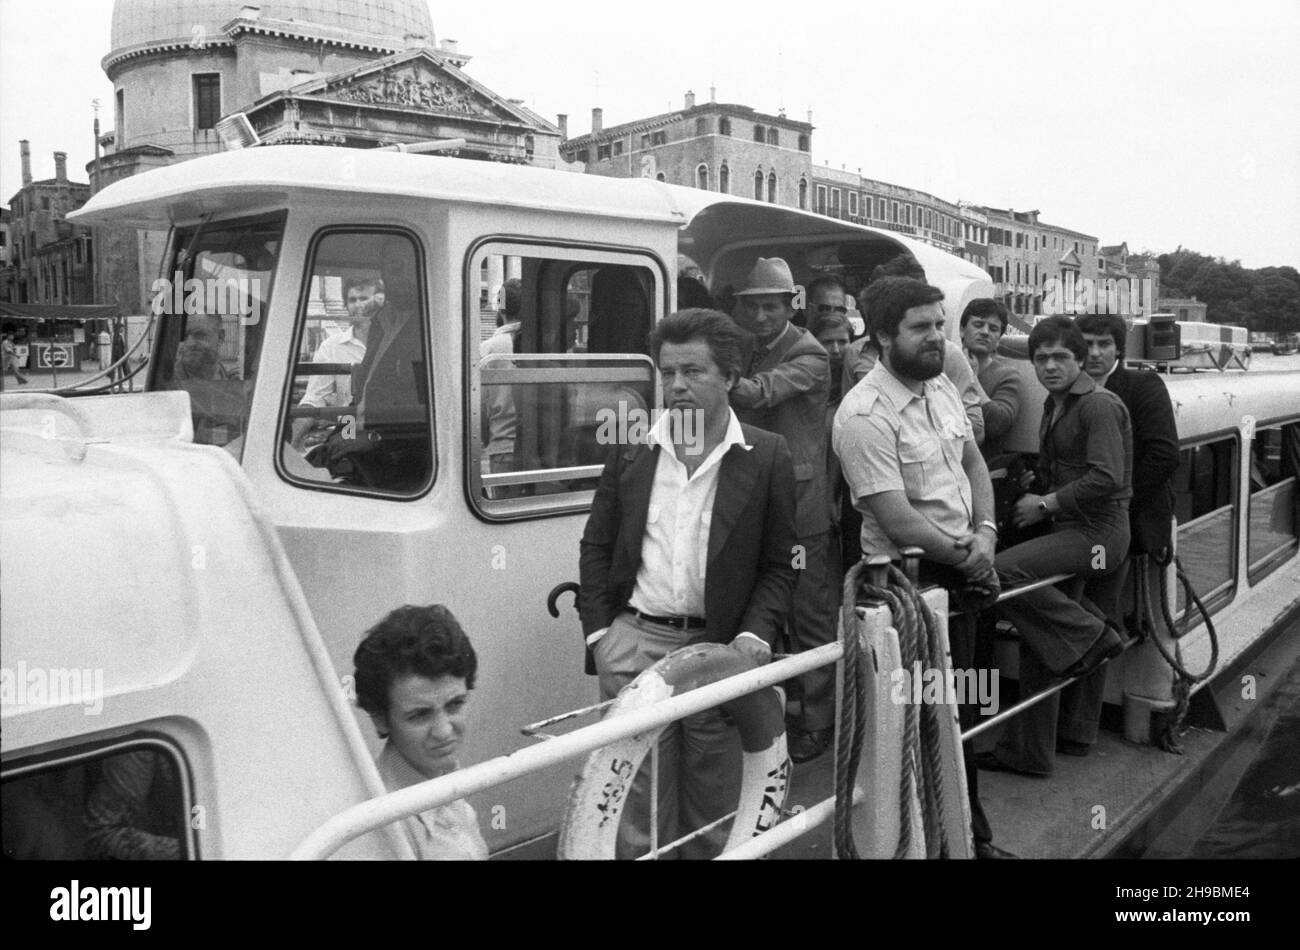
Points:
[(675, 549), (322, 391), (447, 833), (1087, 449), (888, 438)]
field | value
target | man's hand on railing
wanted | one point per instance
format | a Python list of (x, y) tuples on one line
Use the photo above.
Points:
[(750, 645), (977, 566)]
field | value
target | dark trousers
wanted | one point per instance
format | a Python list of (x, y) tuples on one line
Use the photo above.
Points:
[(1056, 624), (969, 651), (1081, 701), (812, 624)]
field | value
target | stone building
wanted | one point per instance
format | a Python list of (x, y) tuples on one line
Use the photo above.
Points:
[(1025, 253), (49, 259), (717, 146), (955, 228), (355, 73)]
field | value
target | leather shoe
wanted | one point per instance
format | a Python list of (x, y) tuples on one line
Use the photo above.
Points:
[(1108, 645), (989, 762), (806, 746), (987, 850), (1070, 747)]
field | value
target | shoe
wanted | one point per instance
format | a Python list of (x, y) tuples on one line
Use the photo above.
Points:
[(806, 746), (989, 762), (1070, 747), (987, 850), (1107, 646)]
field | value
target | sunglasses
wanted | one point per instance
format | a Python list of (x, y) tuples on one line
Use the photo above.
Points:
[(827, 308)]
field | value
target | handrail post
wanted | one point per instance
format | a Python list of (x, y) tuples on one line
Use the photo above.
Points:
[(878, 570), (912, 562)]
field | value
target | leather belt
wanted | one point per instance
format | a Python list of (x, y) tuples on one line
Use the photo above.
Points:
[(679, 623)]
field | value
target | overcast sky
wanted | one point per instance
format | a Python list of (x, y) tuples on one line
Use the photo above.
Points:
[(1158, 124)]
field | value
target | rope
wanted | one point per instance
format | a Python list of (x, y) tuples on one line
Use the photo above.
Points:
[(852, 725), (918, 638), (1167, 735)]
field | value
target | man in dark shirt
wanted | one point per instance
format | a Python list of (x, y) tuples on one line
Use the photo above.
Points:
[(982, 324), (1155, 459), (1085, 467)]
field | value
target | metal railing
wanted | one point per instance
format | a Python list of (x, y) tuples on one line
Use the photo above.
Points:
[(374, 814)]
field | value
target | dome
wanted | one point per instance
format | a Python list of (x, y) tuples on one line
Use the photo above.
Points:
[(136, 22)]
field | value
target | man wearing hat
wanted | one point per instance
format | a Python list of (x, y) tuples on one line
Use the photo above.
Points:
[(785, 390)]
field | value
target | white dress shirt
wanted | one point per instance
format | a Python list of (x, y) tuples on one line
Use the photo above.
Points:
[(332, 391)]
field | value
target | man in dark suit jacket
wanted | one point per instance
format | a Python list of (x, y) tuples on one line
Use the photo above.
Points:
[(785, 389), (1155, 459), (689, 540)]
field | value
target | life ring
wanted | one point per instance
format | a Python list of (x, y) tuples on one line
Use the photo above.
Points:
[(591, 818)]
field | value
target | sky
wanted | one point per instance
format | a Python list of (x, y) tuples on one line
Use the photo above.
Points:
[(1156, 123)]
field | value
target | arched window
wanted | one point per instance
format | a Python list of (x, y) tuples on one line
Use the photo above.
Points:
[(724, 126), (702, 176), (803, 142), (758, 185), (771, 187), (758, 133), (724, 179), (773, 137), (803, 194)]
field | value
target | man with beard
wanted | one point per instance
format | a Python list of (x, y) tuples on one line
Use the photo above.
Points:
[(784, 390), (1084, 469), (909, 455), (982, 324)]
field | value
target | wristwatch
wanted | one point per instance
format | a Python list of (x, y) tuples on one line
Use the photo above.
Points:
[(1042, 505)]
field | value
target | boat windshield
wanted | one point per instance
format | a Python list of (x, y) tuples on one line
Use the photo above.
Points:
[(212, 305)]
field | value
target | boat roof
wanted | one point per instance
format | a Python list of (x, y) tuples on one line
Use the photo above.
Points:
[(248, 179)]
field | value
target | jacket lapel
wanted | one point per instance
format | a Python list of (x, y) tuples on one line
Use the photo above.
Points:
[(736, 479), (637, 481)]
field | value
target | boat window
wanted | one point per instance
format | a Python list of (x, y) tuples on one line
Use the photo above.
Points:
[(358, 414), (1274, 521), (212, 306), (556, 361), (1205, 504), (128, 803)]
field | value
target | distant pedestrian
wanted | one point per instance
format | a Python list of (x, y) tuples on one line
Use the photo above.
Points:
[(105, 342), (121, 371), (9, 354)]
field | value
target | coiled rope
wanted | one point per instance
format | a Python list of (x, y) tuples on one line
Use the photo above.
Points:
[(918, 638), (1167, 736)]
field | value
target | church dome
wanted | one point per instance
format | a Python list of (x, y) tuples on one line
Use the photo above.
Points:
[(137, 22)]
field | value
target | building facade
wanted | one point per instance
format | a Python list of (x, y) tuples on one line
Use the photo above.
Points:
[(49, 258), (716, 146)]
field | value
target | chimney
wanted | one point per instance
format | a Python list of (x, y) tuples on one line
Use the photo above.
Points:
[(597, 120), (451, 46), (61, 166), (250, 11), (713, 93), (690, 99), (562, 120), (25, 147)]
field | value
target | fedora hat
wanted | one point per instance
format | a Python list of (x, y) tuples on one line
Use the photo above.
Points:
[(771, 275)]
